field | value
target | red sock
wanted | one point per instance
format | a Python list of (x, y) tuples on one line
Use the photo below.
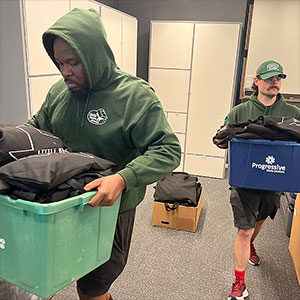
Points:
[(240, 275)]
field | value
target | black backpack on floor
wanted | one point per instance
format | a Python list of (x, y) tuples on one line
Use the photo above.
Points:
[(178, 188)]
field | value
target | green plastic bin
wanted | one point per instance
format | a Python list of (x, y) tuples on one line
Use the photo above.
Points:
[(45, 247)]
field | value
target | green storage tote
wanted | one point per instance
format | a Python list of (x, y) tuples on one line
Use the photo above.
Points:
[(45, 247)]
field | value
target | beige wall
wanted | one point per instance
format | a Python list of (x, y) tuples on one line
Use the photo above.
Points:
[(275, 34)]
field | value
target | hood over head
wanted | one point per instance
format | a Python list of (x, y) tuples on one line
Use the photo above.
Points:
[(85, 33)]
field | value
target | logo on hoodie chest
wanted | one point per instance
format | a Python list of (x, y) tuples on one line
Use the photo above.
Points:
[(97, 117)]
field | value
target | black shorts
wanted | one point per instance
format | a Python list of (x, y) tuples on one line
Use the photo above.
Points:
[(251, 206), (98, 281)]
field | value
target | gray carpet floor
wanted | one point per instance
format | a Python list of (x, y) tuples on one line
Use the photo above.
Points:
[(167, 264)]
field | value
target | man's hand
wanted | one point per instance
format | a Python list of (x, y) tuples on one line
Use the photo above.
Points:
[(218, 142), (109, 189)]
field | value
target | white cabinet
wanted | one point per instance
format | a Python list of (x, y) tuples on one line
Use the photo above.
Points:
[(171, 45), (192, 69), (39, 87), (121, 32), (275, 34), (84, 4), (27, 72), (38, 16), (176, 98), (129, 44)]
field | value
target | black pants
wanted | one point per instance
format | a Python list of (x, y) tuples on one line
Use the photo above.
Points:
[(98, 281)]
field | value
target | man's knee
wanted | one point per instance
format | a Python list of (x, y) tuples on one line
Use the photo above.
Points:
[(245, 234)]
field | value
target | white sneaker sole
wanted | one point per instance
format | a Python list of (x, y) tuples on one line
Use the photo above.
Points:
[(245, 295), (252, 263)]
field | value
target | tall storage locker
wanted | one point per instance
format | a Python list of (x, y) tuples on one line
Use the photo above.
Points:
[(193, 69)]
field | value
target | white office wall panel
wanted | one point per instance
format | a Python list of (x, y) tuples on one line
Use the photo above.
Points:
[(129, 45), (171, 45), (177, 122), (275, 34), (112, 21), (84, 4), (172, 87), (181, 138), (39, 87), (39, 16), (204, 165), (180, 167), (212, 83)]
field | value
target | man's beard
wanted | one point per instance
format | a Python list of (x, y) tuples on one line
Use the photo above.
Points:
[(81, 93)]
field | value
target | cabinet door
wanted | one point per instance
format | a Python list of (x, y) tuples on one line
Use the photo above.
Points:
[(85, 4), (112, 21), (212, 85), (177, 122), (39, 15), (294, 245), (129, 44), (204, 165), (171, 45), (266, 14), (172, 88), (39, 87)]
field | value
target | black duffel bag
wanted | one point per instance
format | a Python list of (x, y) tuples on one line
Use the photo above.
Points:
[(178, 188)]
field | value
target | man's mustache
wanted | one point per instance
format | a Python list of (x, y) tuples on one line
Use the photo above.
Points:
[(274, 87), (68, 80)]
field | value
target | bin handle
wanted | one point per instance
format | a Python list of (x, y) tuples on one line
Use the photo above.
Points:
[(81, 204), (85, 198)]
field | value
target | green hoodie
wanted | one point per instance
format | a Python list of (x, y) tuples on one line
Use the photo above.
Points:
[(253, 108), (121, 119)]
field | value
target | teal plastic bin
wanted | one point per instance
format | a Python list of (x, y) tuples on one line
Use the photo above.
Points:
[(45, 247)]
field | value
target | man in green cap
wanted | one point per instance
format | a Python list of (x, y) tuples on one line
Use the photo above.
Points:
[(98, 108), (251, 207)]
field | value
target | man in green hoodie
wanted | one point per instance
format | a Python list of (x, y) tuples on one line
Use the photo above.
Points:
[(251, 207), (98, 108)]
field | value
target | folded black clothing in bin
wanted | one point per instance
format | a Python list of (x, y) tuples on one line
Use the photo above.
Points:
[(264, 127), (17, 141), (52, 177)]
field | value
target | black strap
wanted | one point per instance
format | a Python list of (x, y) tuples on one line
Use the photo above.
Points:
[(184, 173), (172, 207)]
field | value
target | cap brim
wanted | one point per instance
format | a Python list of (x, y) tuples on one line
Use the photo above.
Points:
[(271, 74)]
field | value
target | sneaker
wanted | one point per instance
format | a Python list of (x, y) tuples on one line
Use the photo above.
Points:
[(254, 259), (239, 291)]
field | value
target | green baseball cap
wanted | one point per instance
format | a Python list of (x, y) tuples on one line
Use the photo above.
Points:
[(269, 69)]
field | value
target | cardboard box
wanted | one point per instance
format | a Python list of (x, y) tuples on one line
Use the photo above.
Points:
[(182, 218), (294, 245), (45, 247), (264, 165)]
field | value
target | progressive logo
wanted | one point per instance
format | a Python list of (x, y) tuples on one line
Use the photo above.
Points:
[(270, 165)]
